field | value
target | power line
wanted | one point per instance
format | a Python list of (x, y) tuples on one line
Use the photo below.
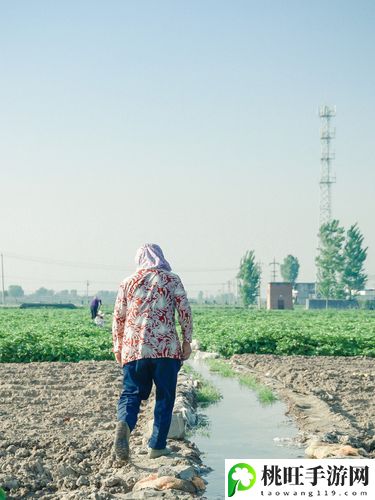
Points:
[(274, 272), (94, 282), (113, 284), (106, 267), (63, 263)]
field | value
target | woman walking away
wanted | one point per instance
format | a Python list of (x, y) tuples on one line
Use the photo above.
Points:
[(146, 345)]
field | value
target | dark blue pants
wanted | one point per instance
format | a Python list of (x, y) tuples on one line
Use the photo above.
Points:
[(94, 311), (138, 378)]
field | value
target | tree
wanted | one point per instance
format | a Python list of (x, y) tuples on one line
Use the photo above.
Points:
[(289, 269), (330, 261), (249, 275), (354, 255), (15, 291)]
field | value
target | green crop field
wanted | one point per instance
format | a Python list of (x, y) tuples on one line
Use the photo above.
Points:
[(69, 335), (52, 335), (333, 333)]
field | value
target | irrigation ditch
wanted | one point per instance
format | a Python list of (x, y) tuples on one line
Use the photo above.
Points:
[(284, 407), (245, 420)]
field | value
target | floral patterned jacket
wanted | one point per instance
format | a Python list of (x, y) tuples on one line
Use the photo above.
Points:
[(144, 316)]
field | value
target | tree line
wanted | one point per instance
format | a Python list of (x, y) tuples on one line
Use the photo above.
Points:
[(17, 294), (340, 265)]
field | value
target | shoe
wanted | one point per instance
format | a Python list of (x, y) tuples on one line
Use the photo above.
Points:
[(122, 440), (159, 453)]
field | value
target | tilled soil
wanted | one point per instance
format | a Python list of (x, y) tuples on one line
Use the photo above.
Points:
[(332, 398), (57, 423)]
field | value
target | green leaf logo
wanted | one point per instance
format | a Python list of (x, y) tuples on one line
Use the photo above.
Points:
[(241, 477)]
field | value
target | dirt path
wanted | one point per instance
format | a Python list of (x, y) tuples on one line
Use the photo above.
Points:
[(331, 398), (57, 424)]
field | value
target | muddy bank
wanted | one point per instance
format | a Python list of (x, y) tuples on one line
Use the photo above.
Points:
[(57, 423), (331, 398)]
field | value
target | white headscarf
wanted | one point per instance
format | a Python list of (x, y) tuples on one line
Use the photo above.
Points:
[(151, 256)]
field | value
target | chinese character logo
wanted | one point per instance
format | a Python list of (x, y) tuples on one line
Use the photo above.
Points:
[(241, 477)]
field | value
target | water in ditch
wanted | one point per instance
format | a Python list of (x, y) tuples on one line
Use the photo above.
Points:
[(240, 427)]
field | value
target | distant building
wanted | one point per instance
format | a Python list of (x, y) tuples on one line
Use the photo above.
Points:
[(369, 293), (279, 296), (304, 291)]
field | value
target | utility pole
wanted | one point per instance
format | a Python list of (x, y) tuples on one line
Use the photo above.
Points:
[(235, 291), (87, 290), (259, 264), (2, 277), (274, 272)]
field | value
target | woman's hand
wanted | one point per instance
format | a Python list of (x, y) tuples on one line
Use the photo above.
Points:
[(118, 357), (186, 350)]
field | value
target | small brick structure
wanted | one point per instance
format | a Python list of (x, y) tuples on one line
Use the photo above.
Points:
[(279, 296)]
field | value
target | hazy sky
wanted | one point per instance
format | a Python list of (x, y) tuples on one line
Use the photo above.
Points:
[(192, 124)]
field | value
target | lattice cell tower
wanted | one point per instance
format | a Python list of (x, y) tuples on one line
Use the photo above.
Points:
[(327, 178)]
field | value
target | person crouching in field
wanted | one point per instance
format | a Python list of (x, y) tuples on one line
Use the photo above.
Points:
[(146, 345), (94, 306)]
